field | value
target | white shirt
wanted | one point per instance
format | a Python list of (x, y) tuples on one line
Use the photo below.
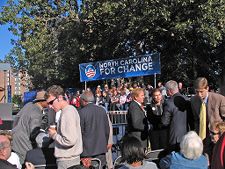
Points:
[(14, 160)]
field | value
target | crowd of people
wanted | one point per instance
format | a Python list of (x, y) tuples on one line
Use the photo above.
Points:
[(56, 131)]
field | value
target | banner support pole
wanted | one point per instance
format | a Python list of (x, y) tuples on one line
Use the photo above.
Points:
[(85, 85), (154, 80)]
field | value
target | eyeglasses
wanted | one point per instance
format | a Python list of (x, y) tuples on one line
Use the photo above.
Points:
[(52, 101), (5, 145), (214, 133)]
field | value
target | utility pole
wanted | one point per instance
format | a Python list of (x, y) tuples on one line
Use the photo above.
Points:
[(5, 67)]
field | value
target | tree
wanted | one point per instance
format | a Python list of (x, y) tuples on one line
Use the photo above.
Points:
[(38, 25), (58, 35), (16, 99)]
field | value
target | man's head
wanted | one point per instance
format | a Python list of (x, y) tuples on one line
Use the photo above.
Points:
[(5, 144), (138, 95), (106, 87), (56, 98), (41, 99), (86, 97), (135, 85), (171, 87), (201, 87), (156, 95), (180, 85), (160, 84)]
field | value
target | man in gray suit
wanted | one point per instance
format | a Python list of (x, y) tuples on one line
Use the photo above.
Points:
[(175, 114), (94, 128)]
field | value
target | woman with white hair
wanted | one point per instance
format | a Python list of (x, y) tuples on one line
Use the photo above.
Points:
[(189, 157)]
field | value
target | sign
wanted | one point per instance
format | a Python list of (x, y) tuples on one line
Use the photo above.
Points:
[(142, 65), (9, 94)]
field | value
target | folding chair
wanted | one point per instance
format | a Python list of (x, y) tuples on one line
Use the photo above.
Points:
[(118, 162), (44, 166), (96, 163)]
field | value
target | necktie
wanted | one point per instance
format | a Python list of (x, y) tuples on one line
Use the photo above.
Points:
[(202, 126)]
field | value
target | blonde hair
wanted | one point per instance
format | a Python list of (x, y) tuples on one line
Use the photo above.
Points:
[(201, 83), (6, 133), (221, 127), (136, 92)]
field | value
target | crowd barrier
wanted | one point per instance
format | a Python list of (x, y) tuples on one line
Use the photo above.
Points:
[(118, 117), (119, 123)]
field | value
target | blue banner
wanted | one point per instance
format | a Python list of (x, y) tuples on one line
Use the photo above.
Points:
[(9, 94), (142, 65)]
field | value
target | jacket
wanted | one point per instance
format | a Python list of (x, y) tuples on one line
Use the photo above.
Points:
[(177, 161)]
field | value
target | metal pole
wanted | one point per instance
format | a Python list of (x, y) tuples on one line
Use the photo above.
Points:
[(85, 85), (154, 80)]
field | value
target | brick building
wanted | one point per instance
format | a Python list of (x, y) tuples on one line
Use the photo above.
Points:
[(18, 80)]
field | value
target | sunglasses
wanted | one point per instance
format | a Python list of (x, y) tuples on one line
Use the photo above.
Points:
[(214, 133), (52, 101)]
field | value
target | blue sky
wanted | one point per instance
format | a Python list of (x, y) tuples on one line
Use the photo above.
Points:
[(5, 44), (5, 37)]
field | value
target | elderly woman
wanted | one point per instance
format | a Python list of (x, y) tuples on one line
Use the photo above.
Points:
[(133, 155), (189, 157)]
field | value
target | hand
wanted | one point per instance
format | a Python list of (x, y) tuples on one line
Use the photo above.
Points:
[(150, 127), (29, 165), (109, 146), (52, 132), (160, 125), (86, 162)]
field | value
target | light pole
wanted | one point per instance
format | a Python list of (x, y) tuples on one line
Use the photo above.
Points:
[(5, 67)]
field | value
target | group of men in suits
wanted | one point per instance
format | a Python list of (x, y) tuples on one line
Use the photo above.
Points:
[(180, 113)]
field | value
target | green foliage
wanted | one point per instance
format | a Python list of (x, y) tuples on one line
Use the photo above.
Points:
[(55, 36), (16, 99)]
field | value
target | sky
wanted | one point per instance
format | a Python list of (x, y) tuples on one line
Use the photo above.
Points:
[(5, 37)]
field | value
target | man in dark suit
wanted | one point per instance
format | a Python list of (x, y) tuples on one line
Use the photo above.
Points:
[(175, 114), (94, 128), (136, 117), (159, 133)]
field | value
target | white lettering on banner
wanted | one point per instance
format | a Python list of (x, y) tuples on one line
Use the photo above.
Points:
[(107, 71), (108, 64), (134, 68), (126, 65), (146, 59)]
